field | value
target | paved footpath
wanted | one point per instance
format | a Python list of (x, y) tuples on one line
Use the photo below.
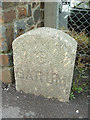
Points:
[(20, 105)]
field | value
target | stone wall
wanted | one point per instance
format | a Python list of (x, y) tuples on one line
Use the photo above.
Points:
[(15, 19)]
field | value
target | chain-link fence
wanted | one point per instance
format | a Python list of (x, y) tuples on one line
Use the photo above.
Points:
[(76, 22)]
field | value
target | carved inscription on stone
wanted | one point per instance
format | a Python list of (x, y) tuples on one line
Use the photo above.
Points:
[(44, 62)]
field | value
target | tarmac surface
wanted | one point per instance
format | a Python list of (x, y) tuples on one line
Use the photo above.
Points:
[(21, 105)]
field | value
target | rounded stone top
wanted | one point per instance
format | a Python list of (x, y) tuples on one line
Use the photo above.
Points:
[(58, 35), (44, 62)]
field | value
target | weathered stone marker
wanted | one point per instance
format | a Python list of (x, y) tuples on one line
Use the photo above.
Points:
[(43, 62)]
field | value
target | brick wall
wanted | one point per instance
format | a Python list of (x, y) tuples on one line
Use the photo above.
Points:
[(15, 19)]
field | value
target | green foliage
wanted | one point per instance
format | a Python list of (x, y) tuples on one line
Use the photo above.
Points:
[(78, 88), (83, 41), (5, 52), (72, 96)]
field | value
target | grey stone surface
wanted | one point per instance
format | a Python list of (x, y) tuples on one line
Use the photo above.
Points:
[(3, 46), (43, 63), (21, 24), (30, 22), (51, 14), (2, 30), (29, 10), (0, 3), (36, 14)]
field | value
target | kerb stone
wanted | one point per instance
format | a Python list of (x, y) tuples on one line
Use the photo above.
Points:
[(44, 62)]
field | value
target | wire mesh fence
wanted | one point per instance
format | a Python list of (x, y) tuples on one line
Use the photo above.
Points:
[(76, 22)]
